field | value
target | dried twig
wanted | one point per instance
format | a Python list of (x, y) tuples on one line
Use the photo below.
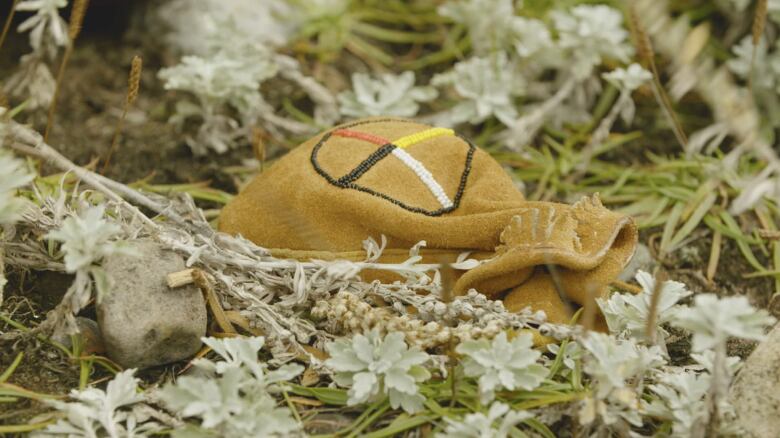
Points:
[(202, 281), (29, 142)]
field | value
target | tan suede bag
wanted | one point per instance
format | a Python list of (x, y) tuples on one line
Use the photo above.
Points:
[(412, 182)]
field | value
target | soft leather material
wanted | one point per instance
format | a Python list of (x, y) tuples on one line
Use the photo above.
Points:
[(411, 182)]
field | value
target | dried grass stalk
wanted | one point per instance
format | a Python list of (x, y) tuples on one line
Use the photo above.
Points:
[(133, 85), (647, 58)]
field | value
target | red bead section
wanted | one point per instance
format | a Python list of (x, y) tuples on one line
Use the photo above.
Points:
[(377, 140)]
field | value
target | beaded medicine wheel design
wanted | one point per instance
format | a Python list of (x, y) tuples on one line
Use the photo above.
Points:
[(423, 170)]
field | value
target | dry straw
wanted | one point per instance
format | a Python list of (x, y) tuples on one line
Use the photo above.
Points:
[(759, 20), (655, 300), (258, 146), (133, 85), (74, 29), (647, 57)]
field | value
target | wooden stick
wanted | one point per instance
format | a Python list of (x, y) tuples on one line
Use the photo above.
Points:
[(180, 278)]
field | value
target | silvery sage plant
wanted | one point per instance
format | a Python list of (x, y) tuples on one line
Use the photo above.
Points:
[(13, 175), (372, 367), (47, 29), (627, 314), (388, 95), (229, 52), (714, 320), (86, 238), (497, 423), (590, 34), (231, 397), (502, 364), (216, 80), (112, 413), (33, 81), (617, 369), (491, 23), (487, 87), (681, 400), (626, 80)]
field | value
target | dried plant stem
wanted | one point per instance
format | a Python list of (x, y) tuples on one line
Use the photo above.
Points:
[(655, 300), (716, 390), (590, 308), (628, 287), (45, 152), (180, 278), (759, 21), (2, 276), (258, 146), (8, 21), (202, 281), (34, 146), (447, 284), (647, 58), (74, 28), (712, 265), (133, 84)]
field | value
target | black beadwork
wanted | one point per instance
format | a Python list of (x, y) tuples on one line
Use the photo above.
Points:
[(367, 164), (347, 181)]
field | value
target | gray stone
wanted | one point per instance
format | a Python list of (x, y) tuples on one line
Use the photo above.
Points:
[(755, 392), (90, 336), (642, 259), (143, 322)]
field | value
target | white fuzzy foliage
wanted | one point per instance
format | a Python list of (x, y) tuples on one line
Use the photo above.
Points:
[(222, 77), (617, 369), (487, 87), (714, 320), (591, 33), (194, 26), (47, 29), (227, 77), (87, 238), (98, 413), (372, 366), (388, 95), (532, 37), (627, 314), (501, 364), (681, 398), (13, 175), (497, 423), (628, 79), (763, 71), (231, 397), (33, 82), (491, 23)]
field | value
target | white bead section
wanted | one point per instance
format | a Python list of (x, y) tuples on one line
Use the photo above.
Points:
[(425, 176)]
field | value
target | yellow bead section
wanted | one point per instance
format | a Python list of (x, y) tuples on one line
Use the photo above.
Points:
[(411, 139)]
